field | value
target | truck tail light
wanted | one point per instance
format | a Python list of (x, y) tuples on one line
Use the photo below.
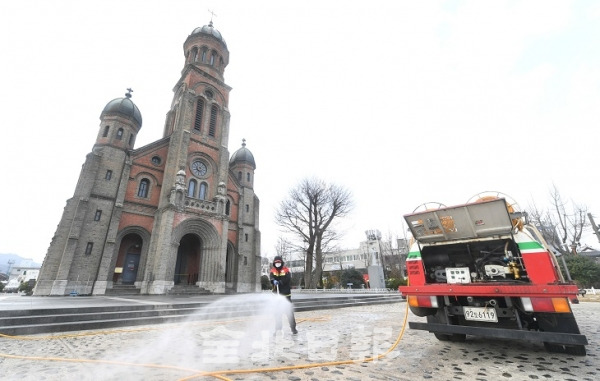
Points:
[(423, 301), (546, 304)]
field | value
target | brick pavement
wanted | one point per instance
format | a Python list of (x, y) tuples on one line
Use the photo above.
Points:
[(327, 338)]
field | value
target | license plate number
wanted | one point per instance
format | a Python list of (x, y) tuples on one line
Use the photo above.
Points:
[(481, 314)]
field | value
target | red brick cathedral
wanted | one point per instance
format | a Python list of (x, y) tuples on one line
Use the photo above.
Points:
[(177, 215)]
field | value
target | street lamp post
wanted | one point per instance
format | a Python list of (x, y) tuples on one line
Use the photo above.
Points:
[(10, 263)]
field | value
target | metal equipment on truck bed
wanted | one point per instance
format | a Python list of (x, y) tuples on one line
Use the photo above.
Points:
[(481, 269)]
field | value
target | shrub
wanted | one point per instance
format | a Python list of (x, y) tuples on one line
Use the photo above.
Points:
[(394, 283), (352, 276), (265, 284), (27, 287)]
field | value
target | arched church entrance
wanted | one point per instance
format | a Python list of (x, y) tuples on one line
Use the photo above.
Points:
[(187, 266), (128, 260)]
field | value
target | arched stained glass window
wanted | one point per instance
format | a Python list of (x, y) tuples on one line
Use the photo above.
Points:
[(202, 191), (192, 188), (144, 188)]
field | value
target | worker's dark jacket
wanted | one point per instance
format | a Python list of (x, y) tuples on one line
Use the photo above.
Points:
[(285, 279)]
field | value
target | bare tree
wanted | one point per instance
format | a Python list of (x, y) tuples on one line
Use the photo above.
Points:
[(284, 249), (309, 213), (561, 226)]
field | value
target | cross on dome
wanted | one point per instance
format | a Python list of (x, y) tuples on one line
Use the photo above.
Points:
[(212, 14)]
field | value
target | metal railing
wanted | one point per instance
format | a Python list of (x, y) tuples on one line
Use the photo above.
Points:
[(344, 290)]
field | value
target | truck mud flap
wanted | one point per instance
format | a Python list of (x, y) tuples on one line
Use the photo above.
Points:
[(548, 337)]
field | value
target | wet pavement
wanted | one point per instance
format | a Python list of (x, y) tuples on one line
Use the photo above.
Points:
[(353, 343), (22, 302)]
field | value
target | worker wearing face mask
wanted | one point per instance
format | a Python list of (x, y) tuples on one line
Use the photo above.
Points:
[(281, 279)]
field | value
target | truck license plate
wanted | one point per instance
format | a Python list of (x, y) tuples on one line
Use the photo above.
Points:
[(481, 314)]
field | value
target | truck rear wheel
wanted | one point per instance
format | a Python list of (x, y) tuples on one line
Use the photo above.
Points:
[(440, 317), (553, 322)]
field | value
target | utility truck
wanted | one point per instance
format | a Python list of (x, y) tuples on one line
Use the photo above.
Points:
[(482, 269)]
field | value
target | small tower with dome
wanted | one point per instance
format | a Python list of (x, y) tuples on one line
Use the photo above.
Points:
[(120, 122), (242, 164)]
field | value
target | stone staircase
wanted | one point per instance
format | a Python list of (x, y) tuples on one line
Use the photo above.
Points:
[(48, 320), (187, 290), (129, 289), (27, 322), (123, 289)]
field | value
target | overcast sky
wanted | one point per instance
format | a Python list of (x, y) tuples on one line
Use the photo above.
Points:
[(402, 102)]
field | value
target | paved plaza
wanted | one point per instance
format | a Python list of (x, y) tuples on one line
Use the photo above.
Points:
[(353, 343)]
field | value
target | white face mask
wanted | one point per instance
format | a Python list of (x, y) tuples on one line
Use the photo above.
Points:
[(278, 265)]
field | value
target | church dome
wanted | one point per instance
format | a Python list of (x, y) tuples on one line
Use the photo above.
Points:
[(242, 155), (210, 30), (124, 107)]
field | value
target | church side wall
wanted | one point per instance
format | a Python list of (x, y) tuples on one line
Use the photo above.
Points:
[(49, 271)]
